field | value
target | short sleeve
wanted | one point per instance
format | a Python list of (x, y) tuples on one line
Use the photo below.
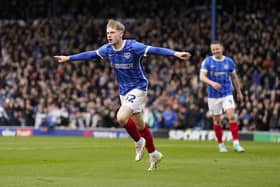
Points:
[(231, 66), (204, 65)]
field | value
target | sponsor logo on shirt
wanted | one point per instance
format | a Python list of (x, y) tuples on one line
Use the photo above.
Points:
[(123, 66), (219, 73), (226, 66)]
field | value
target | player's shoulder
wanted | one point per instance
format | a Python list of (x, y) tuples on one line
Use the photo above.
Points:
[(205, 63), (227, 58), (134, 42), (135, 45), (130, 42), (105, 47), (104, 50)]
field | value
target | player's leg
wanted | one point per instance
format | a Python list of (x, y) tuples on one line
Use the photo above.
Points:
[(140, 146), (233, 127), (138, 106), (123, 118), (144, 131), (155, 156), (133, 103), (216, 110), (219, 133), (229, 105)]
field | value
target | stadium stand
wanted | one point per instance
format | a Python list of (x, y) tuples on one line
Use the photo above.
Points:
[(36, 91)]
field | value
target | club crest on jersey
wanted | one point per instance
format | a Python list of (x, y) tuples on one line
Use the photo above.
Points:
[(226, 66), (127, 55)]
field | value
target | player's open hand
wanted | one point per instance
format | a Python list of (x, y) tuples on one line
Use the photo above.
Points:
[(62, 58), (183, 55)]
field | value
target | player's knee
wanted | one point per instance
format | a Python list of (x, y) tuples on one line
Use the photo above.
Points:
[(216, 120), (231, 118), (122, 120)]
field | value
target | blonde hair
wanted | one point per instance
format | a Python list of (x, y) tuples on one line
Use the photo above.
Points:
[(116, 25)]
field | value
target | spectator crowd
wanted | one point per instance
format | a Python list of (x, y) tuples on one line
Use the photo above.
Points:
[(37, 91)]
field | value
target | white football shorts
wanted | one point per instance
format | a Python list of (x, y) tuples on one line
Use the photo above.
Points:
[(134, 99), (219, 105)]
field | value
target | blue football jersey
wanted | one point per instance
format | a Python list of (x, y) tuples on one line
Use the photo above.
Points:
[(127, 64), (219, 71)]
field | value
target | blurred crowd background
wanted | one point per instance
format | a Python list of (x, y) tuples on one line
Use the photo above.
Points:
[(37, 91)]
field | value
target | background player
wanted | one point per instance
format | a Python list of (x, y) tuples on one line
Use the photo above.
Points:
[(218, 71), (125, 57)]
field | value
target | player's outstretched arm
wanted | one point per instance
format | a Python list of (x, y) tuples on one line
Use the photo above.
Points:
[(81, 56), (168, 52)]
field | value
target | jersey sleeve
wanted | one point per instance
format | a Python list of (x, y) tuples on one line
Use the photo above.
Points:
[(204, 65), (160, 51), (231, 65), (83, 56), (140, 48), (102, 51)]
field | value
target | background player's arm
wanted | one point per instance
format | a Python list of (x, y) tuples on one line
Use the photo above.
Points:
[(203, 77), (236, 84)]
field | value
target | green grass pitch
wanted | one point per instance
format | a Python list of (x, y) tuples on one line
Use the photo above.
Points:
[(82, 162)]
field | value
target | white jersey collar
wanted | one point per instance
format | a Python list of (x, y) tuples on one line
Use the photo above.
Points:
[(220, 60), (123, 44)]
